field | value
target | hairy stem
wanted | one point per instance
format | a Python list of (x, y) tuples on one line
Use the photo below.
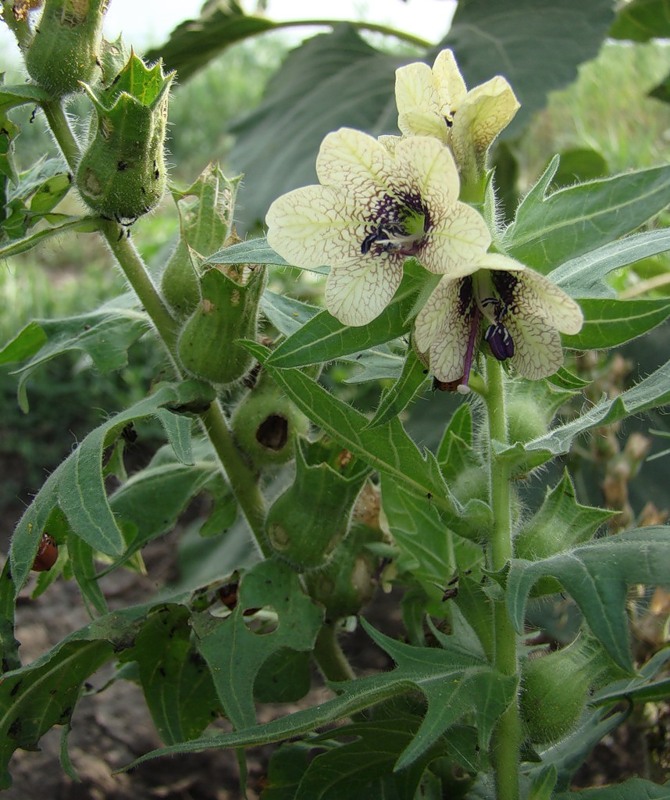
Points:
[(329, 656), (507, 738), (242, 478)]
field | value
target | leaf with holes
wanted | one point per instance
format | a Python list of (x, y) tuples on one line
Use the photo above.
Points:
[(236, 652)]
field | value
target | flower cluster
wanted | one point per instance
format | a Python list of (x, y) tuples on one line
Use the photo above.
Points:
[(380, 201)]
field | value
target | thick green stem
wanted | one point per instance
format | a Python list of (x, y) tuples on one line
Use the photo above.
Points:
[(507, 738), (242, 479), (329, 656)]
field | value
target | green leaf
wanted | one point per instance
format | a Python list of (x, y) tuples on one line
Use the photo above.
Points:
[(285, 313), (364, 766), (543, 785), (596, 576), (454, 684), (59, 224), (455, 452), (608, 323), (550, 229), (104, 334), (404, 390), (235, 653), (633, 789), (177, 685), (77, 485), (560, 523), (584, 276), (43, 694), (154, 498), (253, 251), (642, 20), (652, 392), (12, 96), (324, 338), (193, 43), (427, 550), (642, 687), (387, 448), (284, 678)]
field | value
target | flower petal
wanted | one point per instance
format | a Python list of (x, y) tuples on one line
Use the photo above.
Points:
[(358, 292), (426, 167), (313, 226), (550, 302), (458, 242), (414, 89), (537, 347), (442, 328), (447, 77), (487, 110), (357, 163), (423, 123)]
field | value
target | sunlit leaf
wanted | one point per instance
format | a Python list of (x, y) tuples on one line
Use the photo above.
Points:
[(551, 228)]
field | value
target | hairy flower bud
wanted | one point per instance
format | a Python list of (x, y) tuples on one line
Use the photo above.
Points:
[(65, 48), (205, 217), (307, 522), (122, 172), (227, 311)]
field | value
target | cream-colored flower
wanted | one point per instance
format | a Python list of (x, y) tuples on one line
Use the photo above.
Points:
[(373, 209), (516, 311), (435, 102)]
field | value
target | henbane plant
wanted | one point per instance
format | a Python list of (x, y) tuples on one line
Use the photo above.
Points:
[(314, 504)]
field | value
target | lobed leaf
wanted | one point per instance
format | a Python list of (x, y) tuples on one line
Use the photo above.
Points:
[(596, 576), (235, 653), (652, 392), (104, 334), (454, 684), (396, 399)]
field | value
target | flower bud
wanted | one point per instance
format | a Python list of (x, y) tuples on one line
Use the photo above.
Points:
[(227, 311), (205, 217), (554, 688), (347, 582), (307, 521), (65, 48), (265, 424), (122, 172)]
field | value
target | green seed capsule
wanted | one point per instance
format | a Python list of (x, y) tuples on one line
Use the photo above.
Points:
[(347, 582), (227, 311), (265, 425), (205, 215), (122, 173), (295, 532), (65, 49)]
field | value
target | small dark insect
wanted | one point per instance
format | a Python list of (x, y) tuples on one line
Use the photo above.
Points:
[(228, 595), (121, 165), (46, 554)]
